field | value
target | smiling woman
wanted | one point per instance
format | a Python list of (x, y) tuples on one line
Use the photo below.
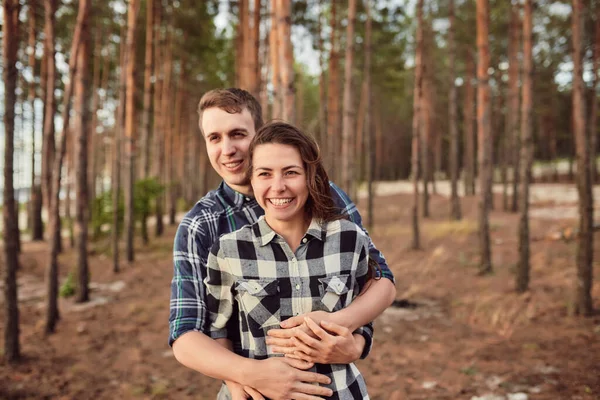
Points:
[(303, 256)]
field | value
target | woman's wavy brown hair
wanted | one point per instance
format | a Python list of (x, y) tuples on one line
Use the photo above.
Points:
[(320, 204)]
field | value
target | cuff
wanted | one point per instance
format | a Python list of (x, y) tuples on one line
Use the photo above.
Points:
[(366, 332)]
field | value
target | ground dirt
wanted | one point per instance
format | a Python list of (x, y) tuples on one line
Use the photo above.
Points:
[(463, 336)]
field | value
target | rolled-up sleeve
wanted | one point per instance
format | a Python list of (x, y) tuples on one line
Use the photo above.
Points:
[(188, 299), (362, 270)]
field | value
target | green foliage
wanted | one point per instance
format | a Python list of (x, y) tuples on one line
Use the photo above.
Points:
[(67, 289), (145, 193)]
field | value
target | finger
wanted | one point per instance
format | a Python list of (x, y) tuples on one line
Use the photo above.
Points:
[(334, 328), (304, 347), (311, 341), (279, 342), (292, 322), (298, 355), (253, 393), (316, 329), (310, 389), (299, 364), (283, 350), (302, 396), (281, 333)]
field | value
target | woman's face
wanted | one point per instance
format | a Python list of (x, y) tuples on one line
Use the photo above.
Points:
[(279, 182)]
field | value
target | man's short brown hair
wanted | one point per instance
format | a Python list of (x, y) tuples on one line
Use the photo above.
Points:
[(233, 101)]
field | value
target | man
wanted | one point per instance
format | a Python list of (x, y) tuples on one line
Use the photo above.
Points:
[(228, 120)]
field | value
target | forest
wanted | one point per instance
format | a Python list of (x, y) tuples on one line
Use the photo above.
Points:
[(466, 131)]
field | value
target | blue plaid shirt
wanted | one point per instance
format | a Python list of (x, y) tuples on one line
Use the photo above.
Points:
[(223, 211)]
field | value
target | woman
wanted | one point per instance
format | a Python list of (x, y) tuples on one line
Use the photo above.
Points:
[(302, 256)]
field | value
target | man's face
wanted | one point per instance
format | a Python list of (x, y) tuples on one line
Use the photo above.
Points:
[(228, 137)]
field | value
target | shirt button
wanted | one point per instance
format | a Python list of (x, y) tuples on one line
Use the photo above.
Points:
[(247, 198), (304, 240), (298, 287)]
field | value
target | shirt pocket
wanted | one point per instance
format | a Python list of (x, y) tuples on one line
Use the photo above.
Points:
[(260, 301), (334, 291)]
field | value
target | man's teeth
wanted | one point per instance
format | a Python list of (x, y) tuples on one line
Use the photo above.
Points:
[(233, 164), (280, 202)]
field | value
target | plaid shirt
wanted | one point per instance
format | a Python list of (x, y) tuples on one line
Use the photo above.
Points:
[(255, 268), (223, 211)]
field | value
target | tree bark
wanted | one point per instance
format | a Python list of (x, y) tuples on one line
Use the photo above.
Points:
[(286, 60), (81, 122), (276, 112), (593, 119), (585, 250), (130, 126), (512, 122), (416, 128), (322, 87), (455, 211), (348, 113), (146, 132), (48, 145), (10, 45), (368, 132), (469, 119), (332, 97), (35, 205), (485, 139), (93, 153), (523, 266), (159, 115), (52, 271)]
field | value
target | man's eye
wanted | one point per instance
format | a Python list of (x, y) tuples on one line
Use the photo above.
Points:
[(263, 174), (212, 138)]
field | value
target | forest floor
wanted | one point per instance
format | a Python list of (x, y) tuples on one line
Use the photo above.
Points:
[(452, 334)]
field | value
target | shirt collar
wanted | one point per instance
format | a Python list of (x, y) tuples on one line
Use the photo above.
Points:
[(235, 197), (266, 234)]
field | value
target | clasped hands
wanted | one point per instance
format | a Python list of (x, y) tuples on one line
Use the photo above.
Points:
[(308, 339)]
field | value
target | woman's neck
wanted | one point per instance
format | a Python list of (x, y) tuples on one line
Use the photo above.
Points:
[(292, 231)]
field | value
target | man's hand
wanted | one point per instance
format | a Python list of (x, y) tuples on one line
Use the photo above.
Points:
[(280, 378), (239, 392), (333, 345)]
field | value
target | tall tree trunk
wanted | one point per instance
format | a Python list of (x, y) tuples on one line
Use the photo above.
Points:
[(455, 211), (366, 128), (82, 131), (130, 126), (425, 132), (167, 130), (332, 96), (322, 86), (159, 115), (277, 110), (146, 133), (10, 45), (48, 146), (286, 60), (469, 120), (93, 153), (523, 266), (512, 122), (52, 271), (485, 139), (35, 206), (593, 119), (585, 250), (416, 128), (348, 113), (116, 152)]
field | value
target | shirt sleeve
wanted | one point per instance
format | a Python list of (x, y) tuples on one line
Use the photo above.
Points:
[(219, 283), (188, 304), (342, 201), (362, 269)]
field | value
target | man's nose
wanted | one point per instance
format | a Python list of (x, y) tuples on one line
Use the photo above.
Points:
[(228, 147)]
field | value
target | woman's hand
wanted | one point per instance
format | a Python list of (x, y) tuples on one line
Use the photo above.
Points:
[(239, 392), (329, 343)]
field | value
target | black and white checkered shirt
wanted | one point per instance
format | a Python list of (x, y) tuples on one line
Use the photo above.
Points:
[(254, 269)]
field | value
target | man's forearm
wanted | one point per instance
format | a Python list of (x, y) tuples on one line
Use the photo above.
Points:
[(378, 295), (199, 352)]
